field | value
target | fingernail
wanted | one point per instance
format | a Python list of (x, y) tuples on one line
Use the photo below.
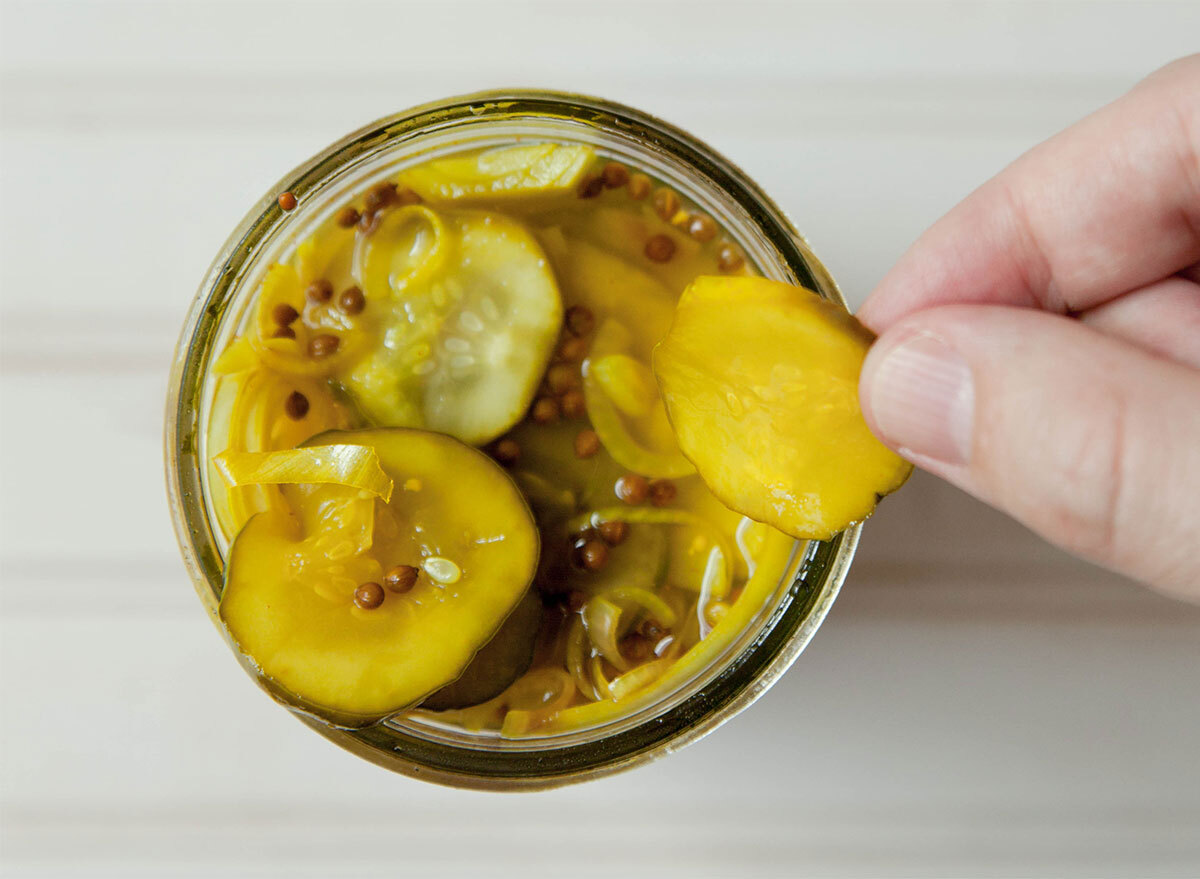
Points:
[(922, 399)]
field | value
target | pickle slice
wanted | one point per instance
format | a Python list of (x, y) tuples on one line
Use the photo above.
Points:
[(288, 602), (503, 173), (760, 380), (498, 663), (626, 409), (464, 342)]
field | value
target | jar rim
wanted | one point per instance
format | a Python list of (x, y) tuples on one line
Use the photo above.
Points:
[(816, 573)]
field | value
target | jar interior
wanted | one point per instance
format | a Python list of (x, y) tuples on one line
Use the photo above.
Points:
[(813, 570)]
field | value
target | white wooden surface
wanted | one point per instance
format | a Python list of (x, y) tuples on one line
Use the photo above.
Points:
[(977, 704)]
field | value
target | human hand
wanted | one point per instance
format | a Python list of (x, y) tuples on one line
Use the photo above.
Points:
[(1040, 345)]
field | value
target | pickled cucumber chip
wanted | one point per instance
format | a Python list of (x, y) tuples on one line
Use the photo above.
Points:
[(498, 663), (626, 409), (294, 602), (464, 341), (503, 173), (760, 380)]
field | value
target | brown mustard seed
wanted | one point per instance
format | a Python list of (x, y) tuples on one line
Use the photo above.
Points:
[(702, 227), (295, 406), (639, 187), (573, 349), (380, 195), (545, 410), (369, 596), (593, 554), (662, 492), (287, 201), (322, 345), (579, 320), (352, 301), (401, 579), (573, 404), (632, 489), (283, 314), (576, 600), (319, 291), (562, 377), (591, 187), (506, 451), (660, 248), (615, 175), (346, 217), (587, 444), (652, 628), (283, 333), (666, 203), (614, 532), (729, 258)]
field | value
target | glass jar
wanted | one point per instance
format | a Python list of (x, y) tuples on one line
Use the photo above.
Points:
[(750, 663)]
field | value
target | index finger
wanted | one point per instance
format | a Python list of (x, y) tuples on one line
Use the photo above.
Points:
[(1110, 204)]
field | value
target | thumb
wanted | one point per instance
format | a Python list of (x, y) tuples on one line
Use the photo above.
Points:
[(1089, 441)]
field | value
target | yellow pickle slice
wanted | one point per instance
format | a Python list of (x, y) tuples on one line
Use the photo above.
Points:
[(354, 630), (466, 311), (503, 173), (760, 380)]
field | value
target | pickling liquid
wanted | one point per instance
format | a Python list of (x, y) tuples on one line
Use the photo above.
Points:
[(515, 306)]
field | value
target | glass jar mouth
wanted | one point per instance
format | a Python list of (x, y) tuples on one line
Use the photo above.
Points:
[(813, 575)]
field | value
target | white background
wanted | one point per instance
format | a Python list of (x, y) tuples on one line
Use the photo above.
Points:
[(977, 703)]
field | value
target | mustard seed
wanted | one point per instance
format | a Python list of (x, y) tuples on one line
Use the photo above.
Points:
[(639, 187), (593, 554), (729, 258), (615, 175), (283, 314), (614, 532), (346, 217), (666, 203), (379, 196), (701, 227), (401, 579), (662, 492), (591, 187), (295, 406), (660, 248), (369, 596), (632, 489), (506, 451), (319, 291), (579, 320), (587, 444), (573, 404), (562, 377), (322, 345), (283, 333), (287, 201), (573, 349), (545, 410), (406, 197), (352, 301), (576, 600)]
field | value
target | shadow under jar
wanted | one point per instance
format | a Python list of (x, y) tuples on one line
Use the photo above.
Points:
[(735, 668)]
